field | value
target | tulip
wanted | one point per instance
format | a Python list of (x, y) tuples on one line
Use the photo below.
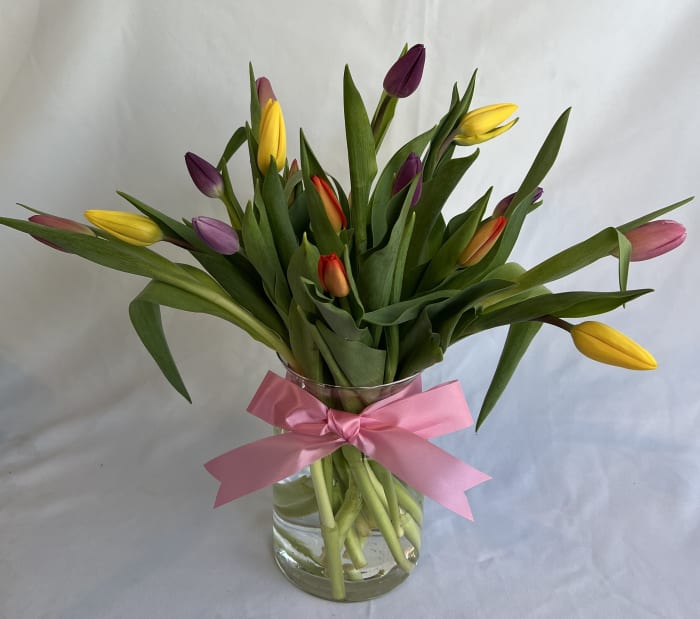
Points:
[(654, 238), (333, 276), (484, 123), (59, 223), (602, 343), (216, 234), (273, 137), (411, 168), (293, 167), (205, 176), (264, 90), (131, 228), (405, 74), (330, 203), (503, 205), (482, 241)]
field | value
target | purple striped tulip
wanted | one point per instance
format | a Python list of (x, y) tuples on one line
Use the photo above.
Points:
[(503, 205), (405, 74), (205, 176), (410, 168), (216, 234), (655, 238), (60, 223)]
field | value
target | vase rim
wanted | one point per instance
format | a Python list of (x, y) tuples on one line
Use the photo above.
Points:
[(395, 383)]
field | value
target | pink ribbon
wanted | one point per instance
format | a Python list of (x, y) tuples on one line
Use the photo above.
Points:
[(393, 431)]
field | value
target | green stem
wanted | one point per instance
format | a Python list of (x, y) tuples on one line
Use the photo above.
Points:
[(386, 482), (374, 503), (409, 503), (329, 531)]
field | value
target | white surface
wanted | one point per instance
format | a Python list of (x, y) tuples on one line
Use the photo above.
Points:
[(105, 508)]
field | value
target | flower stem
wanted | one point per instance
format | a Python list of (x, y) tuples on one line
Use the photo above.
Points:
[(374, 503), (329, 531)]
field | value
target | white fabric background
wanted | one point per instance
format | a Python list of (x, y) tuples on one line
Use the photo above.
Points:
[(105, 508)]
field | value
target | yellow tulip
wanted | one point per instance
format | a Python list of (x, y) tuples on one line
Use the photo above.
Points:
[(273, 137), (128, 227), (602, 343), (484, 123)]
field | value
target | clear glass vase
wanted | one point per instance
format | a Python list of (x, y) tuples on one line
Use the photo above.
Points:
[(345, 528)]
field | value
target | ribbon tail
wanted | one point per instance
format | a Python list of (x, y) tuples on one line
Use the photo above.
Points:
[(424, 466), (263, 462)]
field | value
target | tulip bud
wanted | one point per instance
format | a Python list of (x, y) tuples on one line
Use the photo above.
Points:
[(131, 228), (330, 203), (264, 90), (333, 276), (484, 123), (602, 343), (503, 205), (205, 176), (482, 241), (216, 234), (411, 168), (273, 137), (293, 167), (405, 74), (654, 238), (59, 223)]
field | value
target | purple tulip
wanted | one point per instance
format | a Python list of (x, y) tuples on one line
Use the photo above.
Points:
[(205, 176), (503, 205), (655, 238), (265, 92), (410, 168), (216, 234), (60, 223), (405, 74)]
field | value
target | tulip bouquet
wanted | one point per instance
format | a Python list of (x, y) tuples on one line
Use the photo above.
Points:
[(362, 286)]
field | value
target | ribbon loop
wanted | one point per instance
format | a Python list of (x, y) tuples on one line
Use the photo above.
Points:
[(392, 432)]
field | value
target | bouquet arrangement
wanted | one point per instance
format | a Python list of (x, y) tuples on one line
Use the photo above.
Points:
[(364, 286)]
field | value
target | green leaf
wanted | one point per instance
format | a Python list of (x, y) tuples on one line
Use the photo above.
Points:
[(303, 345), (255, 111), (420, 347), (361, 364), (446, 258), (404, 311), (146, 320), (281, 227), (519, 337), (563, 304), (235, 142), (433, 198), (653, 215), (303, 266), (361, 157)]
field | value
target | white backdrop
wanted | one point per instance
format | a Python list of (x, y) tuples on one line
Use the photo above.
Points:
[(105, 508)]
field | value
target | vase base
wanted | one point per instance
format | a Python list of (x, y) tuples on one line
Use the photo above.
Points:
[(301, 564)]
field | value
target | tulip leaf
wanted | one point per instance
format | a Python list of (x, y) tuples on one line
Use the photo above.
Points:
[(404, 311), (458, 108), (240, 280), (361, 157), (635, 223), (337, 319), (278, 215), (433, 198), (383, 187), (303, 266), (361, 364), (260, 249), (420, 347), (299, 214), (519, 337), (303, 345), (563, 304), (255, 111), (377, 267), (146, 320), (446, 259)]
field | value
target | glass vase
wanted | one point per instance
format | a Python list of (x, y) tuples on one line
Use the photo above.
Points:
[(345, 528)]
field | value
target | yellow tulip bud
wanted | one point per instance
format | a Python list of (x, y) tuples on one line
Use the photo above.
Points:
[(602, 343), (484, 123), (273, 137), (128, 227)]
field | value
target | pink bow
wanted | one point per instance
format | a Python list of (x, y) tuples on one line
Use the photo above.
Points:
[(392, 431)]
